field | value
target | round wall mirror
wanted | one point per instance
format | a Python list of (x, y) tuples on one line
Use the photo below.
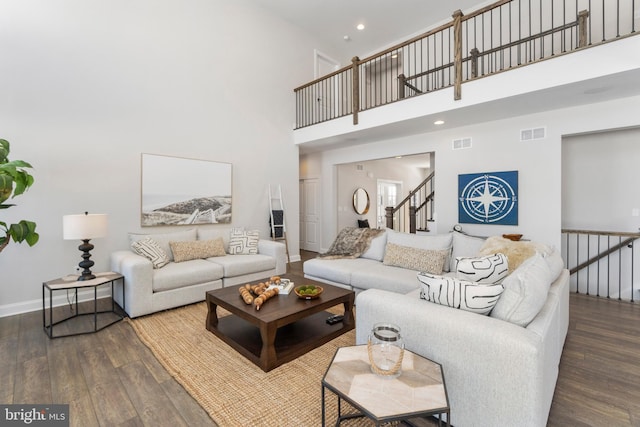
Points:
[(361, 201)]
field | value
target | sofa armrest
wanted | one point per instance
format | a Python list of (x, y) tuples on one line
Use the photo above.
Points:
[(138, 276), (491, 367), (276, 250)]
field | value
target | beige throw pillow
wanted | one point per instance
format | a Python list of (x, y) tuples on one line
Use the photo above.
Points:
[(425, 260), (197, 249)]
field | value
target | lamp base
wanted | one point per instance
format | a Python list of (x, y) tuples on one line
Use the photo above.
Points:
[(86, 263)]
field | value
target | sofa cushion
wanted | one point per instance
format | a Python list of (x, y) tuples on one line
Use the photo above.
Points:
[(464, 245), (178, 275), (517, 252), (525, 292), (374, 274), (234, 265), (429, 261), (376, 248), (198, 249), (422, 241), (243, 242), (484, 269), (163, 239), (152, 251), (469, 296), (335, 270)]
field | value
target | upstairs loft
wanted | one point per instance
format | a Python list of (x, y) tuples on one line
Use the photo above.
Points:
[(507, 59)]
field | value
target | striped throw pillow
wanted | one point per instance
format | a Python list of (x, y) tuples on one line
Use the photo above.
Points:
[(151, 250)]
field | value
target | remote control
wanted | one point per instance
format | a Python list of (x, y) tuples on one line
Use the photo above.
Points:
[(336, 318)]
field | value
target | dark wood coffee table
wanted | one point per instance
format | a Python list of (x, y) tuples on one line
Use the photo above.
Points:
[(285, 327)]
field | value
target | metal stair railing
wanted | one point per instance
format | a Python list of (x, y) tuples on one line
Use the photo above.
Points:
[(602, 263)]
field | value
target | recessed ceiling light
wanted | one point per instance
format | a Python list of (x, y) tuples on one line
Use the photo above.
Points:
[(346, 38), (360, 27), (438, 122)]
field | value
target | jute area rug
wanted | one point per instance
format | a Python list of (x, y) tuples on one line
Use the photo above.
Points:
[(232, 390)]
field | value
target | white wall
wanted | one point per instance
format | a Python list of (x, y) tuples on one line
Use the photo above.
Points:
[(87, 86), (600, 176), (496, 147)]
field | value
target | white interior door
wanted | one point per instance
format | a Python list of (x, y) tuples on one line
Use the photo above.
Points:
[(326, 96), (310, 214), (388, 195)]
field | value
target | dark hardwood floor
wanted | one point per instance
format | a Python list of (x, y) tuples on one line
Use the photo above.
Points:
[(111, 379)]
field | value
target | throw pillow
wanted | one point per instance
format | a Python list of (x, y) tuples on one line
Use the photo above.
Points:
[(423, 241), (163, 239), (150, 249), (486, 269), (464, 245), (469, 296), (243, 242), (363, 223), (429, 261), (198, 249), (525, 292), (516, 252), (376, 248)]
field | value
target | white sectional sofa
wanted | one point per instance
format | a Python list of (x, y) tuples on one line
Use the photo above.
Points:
[(501, 368), (149, 289)]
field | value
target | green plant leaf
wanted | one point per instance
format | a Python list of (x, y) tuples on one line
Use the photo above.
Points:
[(6, 187), (24, 230), (4, 150)]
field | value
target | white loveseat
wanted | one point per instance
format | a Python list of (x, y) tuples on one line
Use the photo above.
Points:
[(149, 289), (497, 371)]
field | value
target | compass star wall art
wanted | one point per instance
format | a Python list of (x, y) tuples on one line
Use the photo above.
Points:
[(488, 198)]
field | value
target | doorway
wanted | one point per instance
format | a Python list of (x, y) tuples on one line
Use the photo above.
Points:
[(310, 214)]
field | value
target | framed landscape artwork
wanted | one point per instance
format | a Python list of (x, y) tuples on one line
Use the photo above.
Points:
[(488, 198), (179, 191)]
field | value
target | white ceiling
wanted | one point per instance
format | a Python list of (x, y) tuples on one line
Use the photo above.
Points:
[(387, 22)]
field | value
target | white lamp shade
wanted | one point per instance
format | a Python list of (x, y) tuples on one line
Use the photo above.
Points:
[(84, 226)]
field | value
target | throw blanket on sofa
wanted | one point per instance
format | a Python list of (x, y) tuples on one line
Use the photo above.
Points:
[(351, 242)]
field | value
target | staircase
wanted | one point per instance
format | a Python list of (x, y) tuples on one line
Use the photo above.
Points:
[(415, 211)]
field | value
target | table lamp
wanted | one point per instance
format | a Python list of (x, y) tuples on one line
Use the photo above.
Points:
[(84, 227)]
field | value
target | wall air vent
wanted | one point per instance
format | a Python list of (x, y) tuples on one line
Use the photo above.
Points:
[(460, 144), (532, 134), (360, 167)]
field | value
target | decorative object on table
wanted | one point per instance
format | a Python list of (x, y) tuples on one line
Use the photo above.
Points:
[(351, 242), (85, 227), (308, 291), (14, 181), (178, 191), (284, 285), (386, 350), (488, 198), (513, 237), (262, 292)]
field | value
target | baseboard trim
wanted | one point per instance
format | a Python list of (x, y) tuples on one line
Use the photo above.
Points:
[(59, 299)]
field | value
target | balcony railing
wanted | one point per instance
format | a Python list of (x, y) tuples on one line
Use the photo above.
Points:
[(499, 37)]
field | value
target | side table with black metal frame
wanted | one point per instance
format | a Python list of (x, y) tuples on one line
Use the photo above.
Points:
[(418, 392), (70, 283)]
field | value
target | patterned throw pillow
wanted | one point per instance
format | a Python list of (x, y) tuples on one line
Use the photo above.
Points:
[(243, 242), (426, 260), (486, 269), (197, 249), (152, 251), (470, 296)]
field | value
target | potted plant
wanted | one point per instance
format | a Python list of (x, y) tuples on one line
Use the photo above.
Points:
[(14, 180)]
